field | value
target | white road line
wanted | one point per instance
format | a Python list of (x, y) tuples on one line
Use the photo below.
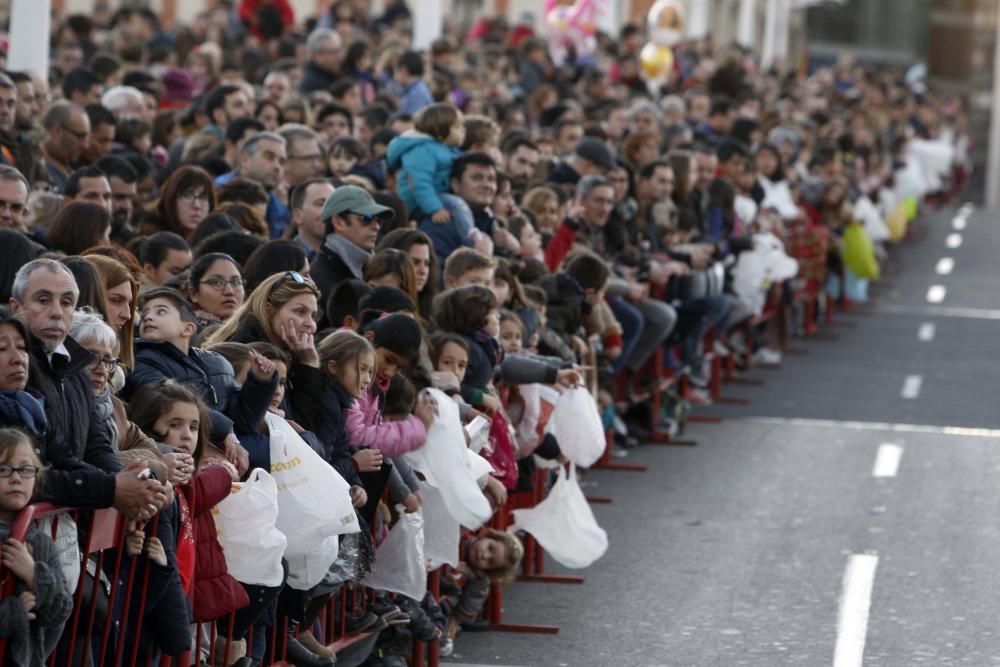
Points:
[(953, 241), (911, 387), (939, 311), (944, 266), (887, 460), (926, 332), (936, 293), (892, 427), (958, 223), (855, 602)]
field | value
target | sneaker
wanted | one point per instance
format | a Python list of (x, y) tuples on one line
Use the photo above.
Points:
[(720, 349), (447, 647), (361, 621), (698, 377), (312, 644), (389, 612), (765, 356), (478, 625), (697, 397), (680, 417)]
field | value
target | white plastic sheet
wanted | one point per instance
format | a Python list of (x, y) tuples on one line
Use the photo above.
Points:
[(246, 525), (577, 426), (314, 504), (444, 463), (441, 532), (564, 524), (399, 561)]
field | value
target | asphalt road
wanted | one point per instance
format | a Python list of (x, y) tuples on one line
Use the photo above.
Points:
[(734, 552)]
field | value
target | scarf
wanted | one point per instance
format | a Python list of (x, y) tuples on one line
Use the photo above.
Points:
[(489, 344), (105, 414), (353, 256), (21, 409)]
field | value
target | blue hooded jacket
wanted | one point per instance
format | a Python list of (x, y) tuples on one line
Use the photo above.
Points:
[(425, 165)]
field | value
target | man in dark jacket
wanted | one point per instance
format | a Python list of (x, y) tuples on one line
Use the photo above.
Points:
[(85, 470), (352, 219), (324, 50)]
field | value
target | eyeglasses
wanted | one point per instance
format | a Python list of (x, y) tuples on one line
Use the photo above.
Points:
[(16, 208), (25, 472), (81, 136), (191, 197), (219, 284), (312, 157), (109, 363)]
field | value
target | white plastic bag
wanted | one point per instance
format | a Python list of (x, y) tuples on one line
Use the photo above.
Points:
[(564, 524), (245, 523), (67, 544), (441, 531), (444, 463), (314, 504), (577, 426), (399, 561)]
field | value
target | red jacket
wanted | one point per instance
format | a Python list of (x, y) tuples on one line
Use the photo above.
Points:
[(247, 11), (216, 593)]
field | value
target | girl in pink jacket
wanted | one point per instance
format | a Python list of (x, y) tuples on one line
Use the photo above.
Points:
[(396, 339)]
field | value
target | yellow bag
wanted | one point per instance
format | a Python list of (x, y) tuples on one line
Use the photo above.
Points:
[(912, 208), (896, 222), (858, 253)]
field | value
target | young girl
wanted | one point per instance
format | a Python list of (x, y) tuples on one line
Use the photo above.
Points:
[(32, 619), (396, 343), (171, 414), (424, 158)]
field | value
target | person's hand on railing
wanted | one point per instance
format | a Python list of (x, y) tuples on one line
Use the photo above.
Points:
[(236, 454), (155, 551), (495, 492), (28, 600), (359, 497), (16, 558), (136, 497), (134, 539), (180, 467)]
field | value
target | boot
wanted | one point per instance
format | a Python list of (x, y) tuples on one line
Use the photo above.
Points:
[(310, 642), (300, 656)]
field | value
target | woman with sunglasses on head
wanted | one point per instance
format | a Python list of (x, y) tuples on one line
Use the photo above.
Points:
[(186, 198), (216, 288)]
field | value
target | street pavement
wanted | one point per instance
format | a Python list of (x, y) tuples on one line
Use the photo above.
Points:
[(736, 551)]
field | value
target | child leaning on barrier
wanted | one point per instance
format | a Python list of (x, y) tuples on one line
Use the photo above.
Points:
[(32, 619)]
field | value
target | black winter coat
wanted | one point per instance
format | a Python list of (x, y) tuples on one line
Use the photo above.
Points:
[(82, 458), (211, 377), (315, 78)]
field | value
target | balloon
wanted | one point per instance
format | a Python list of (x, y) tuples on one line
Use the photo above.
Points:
[(666, 22), (572, 25), (656, 61)]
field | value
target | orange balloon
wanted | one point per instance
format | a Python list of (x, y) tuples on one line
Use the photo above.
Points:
[(656, 61)]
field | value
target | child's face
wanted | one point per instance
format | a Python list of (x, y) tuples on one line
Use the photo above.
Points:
[(510, 336), (279, 391), (456, 133), (531, 241), (487, 554), (501, 289), (341, 163), (453, 359), (16, 491), (482, 277), (161, 321), (356, 377), (492, 323), (178, 426), (387, 363), (143, 143)]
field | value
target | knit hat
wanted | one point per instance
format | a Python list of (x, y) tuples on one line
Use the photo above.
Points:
[(595, 151), (178, 88)]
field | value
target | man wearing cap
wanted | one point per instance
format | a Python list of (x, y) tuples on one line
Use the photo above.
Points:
[(591, 157), (352, 220)]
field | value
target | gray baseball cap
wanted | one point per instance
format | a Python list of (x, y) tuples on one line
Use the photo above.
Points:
[(352, 199)]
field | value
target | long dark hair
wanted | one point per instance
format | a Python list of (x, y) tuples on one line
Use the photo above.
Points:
[(273, 257), (18, 251), (162, 217), (403, 239), (153, 399)]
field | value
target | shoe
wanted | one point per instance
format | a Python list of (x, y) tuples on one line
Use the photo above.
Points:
[(681, 410), (720, 349), (478, 625), (222, 658), (361, 621), (390, 613), (698, 377), (619, 452), (300, 656), (765, 356), (447, 647), (697, 398), (312, 644)]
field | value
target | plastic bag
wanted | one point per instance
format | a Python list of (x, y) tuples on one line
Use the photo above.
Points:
[(858, 253), (67, 544), (441, 530), (867, 214), (577, 426), (564, 524), (314, 504), (246, 526), (399, 562), (444, 463)]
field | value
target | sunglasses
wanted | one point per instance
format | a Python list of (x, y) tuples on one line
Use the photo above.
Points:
[(366, 220), (294, 276)]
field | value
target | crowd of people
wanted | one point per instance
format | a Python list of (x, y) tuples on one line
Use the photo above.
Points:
[(262, 219)]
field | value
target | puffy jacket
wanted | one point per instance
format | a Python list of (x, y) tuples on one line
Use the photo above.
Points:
[(216, 593), (82, 459), (426, 169), (211, 377), (365, 428)]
